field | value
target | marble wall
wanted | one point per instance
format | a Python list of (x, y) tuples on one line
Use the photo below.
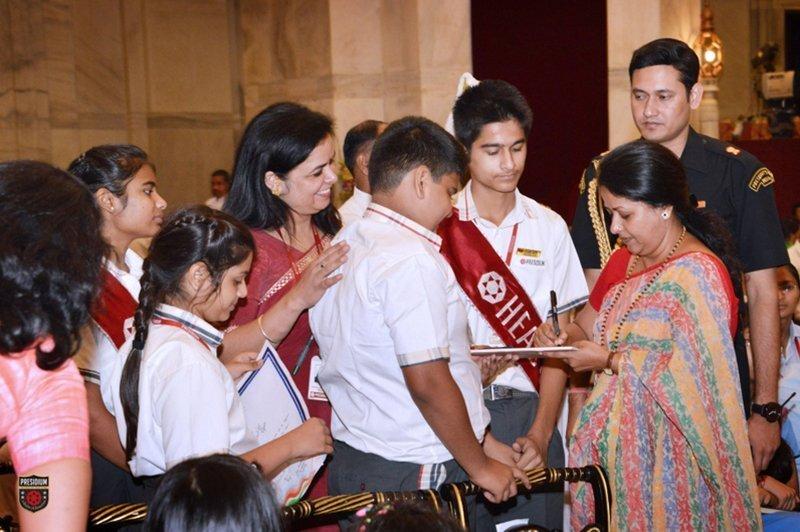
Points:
[(181, 77), (157, 73)]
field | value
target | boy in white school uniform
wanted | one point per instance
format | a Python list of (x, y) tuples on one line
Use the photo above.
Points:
[(357, 148), (407, 406), (508, 252)]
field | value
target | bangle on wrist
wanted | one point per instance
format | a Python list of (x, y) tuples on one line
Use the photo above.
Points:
[(263, 332), (580, 390), (608, 370)]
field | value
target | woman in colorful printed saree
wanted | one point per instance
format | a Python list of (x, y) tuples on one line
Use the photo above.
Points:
[(664, 418)]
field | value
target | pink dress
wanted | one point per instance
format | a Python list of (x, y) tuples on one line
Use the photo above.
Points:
[(43, 414)]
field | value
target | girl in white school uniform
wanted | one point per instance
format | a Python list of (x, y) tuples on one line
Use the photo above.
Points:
[(171, 397), (123, 182)]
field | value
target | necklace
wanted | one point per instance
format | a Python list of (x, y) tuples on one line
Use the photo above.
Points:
[(614, 343)]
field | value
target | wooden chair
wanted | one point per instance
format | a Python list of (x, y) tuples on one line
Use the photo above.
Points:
[(340, 506), (456, 494)]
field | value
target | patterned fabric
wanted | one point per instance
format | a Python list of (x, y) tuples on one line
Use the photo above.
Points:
[(669, 428)]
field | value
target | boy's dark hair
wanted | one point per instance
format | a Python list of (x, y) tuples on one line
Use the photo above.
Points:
[(789, 226), (276, 140), (223, 174), (782, 464), (357, 138), (51, 254), (671, 52), (490, 101), (404, 516), (196, 234), (411, 142), (793, 271), (218, 492), (109, 166)]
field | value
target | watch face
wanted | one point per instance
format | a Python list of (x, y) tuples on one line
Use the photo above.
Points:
[(773, 413), (769, 411)]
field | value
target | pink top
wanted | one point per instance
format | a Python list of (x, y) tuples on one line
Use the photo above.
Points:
[(43, 414)]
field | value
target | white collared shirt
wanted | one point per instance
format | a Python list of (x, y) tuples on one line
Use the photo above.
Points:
[(354, 208), (188, 405), (215, 202), (543, 258), (397, 305), (97, 352)]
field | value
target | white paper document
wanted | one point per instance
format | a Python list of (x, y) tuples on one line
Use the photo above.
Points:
[(272, 407)]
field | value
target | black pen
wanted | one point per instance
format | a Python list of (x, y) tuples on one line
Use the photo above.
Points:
[(303, 355), (554, 312)]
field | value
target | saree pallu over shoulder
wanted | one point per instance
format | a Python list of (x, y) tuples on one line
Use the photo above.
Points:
[(669, 428)]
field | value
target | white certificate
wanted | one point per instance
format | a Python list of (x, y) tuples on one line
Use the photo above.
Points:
[(272, 407)]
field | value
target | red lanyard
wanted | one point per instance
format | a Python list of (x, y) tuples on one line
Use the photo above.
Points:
[(797, 345), (172, 323), (510, 252), (317, 246)]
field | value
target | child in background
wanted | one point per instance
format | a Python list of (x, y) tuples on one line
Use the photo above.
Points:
[(220, 492), (789, 383), (172, 398)]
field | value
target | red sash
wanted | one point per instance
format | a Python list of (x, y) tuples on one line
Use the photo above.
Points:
[(491, 286), (112, 308)]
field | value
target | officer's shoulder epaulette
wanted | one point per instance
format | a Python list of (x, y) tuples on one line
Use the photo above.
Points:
[(731, 152), (590, 172), (753, 171)]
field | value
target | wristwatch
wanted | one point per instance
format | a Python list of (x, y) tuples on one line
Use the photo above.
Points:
[(769, 411)]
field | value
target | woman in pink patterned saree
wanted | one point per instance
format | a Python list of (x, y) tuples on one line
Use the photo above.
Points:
[(664, 418), (281, 189)]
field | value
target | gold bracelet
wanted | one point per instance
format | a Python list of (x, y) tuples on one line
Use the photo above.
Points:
[(263, 332)]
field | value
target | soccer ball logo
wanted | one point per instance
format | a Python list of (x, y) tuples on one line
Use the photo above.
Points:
[(492, 287)]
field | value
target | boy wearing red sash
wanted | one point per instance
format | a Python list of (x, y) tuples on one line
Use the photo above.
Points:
[(406, 397), (508, 252)]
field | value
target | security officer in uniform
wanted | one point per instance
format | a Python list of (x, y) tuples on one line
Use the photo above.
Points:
[(722, 178)]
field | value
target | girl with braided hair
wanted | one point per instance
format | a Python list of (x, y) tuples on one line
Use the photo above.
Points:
[(171, 396)]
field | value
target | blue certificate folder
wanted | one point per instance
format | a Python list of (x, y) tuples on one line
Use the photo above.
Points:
[(273, 407), (271, 363)]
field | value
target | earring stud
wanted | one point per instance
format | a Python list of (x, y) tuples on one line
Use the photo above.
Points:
[(665, 215)]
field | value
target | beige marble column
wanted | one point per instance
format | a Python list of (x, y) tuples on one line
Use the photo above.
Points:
[(632, 23), (355, 59)]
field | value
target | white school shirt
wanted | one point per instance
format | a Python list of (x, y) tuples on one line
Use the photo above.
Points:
[(543, 258), (790, 382), (397, 305), (97, 352), (188, 404), (354, 208), (215, 202)]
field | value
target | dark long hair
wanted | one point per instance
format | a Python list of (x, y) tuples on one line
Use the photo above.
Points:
[(196, 234), (110, 166), (51, 254), (645, 171), (276, 140), (218, 492)]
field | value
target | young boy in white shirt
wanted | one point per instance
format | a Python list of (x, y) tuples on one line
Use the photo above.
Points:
[(508, 253), (406, 397)]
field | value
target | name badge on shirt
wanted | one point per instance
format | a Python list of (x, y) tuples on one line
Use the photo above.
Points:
[(315, 391), (530, 257)]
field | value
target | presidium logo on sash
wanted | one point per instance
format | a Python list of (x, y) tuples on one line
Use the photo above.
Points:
[(34, 492), (492, 287)]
